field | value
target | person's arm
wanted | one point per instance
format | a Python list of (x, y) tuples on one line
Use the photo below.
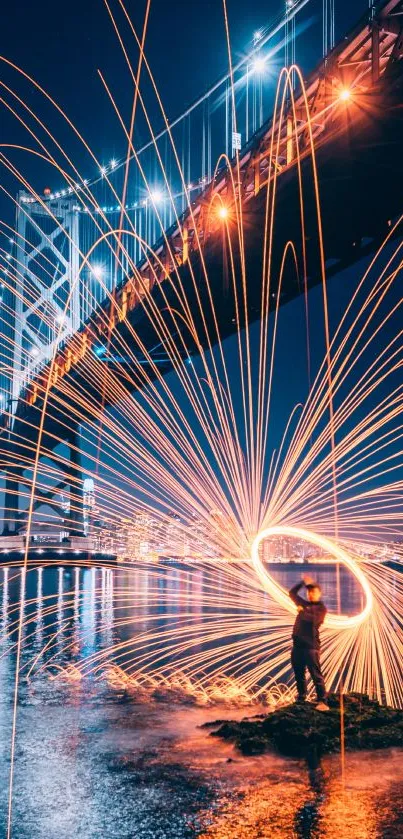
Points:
[(313, 615), (322, 615), (293, 592)]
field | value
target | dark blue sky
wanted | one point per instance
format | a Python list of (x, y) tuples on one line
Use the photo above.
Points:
[(63, 45)]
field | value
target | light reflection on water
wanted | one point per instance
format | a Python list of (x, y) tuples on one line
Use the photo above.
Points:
[(88, 609), (91, 762)]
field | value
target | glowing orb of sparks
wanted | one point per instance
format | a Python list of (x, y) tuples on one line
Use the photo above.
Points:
[(340, 555)]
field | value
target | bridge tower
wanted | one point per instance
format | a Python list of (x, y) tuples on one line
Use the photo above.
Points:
[(45, 302)]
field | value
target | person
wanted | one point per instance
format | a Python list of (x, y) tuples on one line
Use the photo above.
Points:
[(305, 653)]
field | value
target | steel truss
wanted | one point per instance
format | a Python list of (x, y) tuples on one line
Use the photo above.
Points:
[(46, 296), (356, 64)]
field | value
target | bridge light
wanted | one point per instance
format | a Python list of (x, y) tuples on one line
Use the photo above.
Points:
[(97, 271), (113, 163), (59, 319), (103, 171), (345, 94), (34, 352), (156, 196), (259, 64), (223, 213), (257, 36)]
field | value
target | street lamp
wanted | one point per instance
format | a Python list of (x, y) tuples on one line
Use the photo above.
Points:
[(345, 94), (97, 271), (156, 196), (259, 64)]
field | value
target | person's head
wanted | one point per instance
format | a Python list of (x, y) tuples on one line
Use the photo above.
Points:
[(314, 593)]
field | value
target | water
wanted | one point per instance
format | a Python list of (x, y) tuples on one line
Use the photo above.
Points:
[(92, 761)]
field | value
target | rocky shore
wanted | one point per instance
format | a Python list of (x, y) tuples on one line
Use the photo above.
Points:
[(294, 730)]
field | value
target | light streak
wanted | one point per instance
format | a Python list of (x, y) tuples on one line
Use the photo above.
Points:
[(330, 547)]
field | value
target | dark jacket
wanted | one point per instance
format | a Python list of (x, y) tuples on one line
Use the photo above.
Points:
[(310, 617)]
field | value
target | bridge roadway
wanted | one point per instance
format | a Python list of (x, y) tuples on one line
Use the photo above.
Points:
[(360, 167)]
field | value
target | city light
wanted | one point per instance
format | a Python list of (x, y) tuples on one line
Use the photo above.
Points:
[(223, 213), (59, 319), (34, 352)]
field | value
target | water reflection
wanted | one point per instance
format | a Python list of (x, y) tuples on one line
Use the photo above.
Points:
[(73, 613), (93, 763)]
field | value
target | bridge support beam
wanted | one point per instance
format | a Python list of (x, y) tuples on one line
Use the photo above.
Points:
[(12, 506), (18, 486), (74, 477)]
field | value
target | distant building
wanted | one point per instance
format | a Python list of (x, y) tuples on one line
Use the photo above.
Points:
[(88, 504)]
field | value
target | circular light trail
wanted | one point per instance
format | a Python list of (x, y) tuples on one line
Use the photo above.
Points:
[(340, 555)]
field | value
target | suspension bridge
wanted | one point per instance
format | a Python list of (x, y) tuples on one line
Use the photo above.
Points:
[(80, 281)]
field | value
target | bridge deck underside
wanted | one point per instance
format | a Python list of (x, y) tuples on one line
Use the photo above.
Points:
[(361, 185)]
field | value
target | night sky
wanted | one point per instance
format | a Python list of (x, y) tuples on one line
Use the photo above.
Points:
[(63, 45)]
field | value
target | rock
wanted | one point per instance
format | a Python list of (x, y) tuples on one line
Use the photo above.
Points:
[(295, 730)]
